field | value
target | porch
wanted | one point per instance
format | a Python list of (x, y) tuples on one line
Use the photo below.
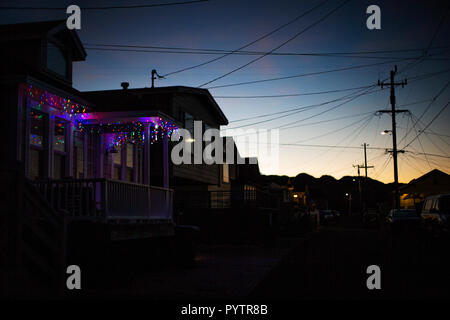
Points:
[(107, 200)]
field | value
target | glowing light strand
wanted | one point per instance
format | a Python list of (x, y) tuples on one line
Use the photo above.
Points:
[(43, 97), (131, 132)]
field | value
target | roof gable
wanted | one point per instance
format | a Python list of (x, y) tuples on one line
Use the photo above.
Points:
[(43, 30), (433, 181)]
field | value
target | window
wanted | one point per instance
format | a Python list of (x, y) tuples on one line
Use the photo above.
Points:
[(427, 205), (249, 193), (435, 205), (37, 128), (59, 148), (226, 175), (59, 142), (78, 155), (38, 144), (56, 60)]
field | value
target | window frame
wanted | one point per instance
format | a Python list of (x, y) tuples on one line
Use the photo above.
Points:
[(64, 154), (42, 150), (68, 64)]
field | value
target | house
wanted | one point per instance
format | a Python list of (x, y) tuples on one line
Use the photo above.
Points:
[(431, 183), (193, 183), (72, 171)]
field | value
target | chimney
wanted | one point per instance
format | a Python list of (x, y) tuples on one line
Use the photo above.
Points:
[(125, 85)]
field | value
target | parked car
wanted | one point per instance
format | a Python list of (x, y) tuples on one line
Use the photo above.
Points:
[(370, 218), (336, 214), (403, 220), (435, 214), (328, 216)]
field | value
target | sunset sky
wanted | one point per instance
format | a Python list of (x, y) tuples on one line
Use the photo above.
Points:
[(311, 139)]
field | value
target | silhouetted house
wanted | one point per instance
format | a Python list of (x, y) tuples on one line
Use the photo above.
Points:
[(68, 167), (193, 183), (431, 183)]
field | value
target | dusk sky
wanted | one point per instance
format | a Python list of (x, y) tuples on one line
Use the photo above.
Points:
[(315, 142)]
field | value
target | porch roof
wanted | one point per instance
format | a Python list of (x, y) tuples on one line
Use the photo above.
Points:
[(150, 98), (143, 116)]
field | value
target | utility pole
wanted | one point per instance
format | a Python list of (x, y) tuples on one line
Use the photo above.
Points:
[(365, 168), (154, 76), (359, 184), (365, 159), (393, 112)]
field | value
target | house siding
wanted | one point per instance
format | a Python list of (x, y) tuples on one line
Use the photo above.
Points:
[(9, 128)]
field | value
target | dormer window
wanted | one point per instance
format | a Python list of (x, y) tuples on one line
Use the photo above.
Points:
[(56, 60)]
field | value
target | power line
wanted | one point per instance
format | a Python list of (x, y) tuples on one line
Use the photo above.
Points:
[(244, 52), (332, 108), (436, 31), (309, 74), (303, 74), (279, 46), (417, 77), (423, 150), (106, 7), (286, 126), (292, 94), (251, 43), (436, 134), (252, 53), (410, 163), (337, 130), (429, 124), (430, 154), (385, 165), (295, 109), (442, 90), (355, 147), (440, 164), (329, 120), (431, 140), (355, 133), (301, 109), (325, 146)]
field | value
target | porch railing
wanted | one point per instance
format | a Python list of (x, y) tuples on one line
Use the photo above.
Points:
[(234, 198), (107, 199)]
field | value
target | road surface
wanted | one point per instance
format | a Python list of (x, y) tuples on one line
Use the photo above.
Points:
[(332, 263)]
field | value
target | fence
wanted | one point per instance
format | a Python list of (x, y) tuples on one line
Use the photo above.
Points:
[(107, 199)]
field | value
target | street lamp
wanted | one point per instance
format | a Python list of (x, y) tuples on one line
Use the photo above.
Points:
[(349, 203), (385, 132)]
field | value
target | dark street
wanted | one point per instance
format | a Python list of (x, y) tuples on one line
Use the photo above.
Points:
[(332, 264), (329, 263)]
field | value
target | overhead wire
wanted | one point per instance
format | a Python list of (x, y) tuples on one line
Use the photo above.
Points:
[(323, 18), (252, 42)]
